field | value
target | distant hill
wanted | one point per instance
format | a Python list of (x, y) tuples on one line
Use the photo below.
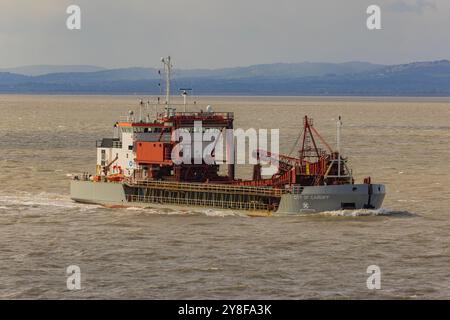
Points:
[(352, 78), (8, 78), (93, 73), (290, 70), (99, 76), (37, 70)]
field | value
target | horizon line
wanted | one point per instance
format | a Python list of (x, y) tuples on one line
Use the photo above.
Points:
[(218, 68)]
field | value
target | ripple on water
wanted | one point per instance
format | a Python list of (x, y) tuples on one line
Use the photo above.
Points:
[(138, 253)]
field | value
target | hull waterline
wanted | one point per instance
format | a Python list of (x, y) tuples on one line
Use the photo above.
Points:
[(310, 199)]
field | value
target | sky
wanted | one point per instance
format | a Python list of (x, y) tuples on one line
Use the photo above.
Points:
[(221, 33)]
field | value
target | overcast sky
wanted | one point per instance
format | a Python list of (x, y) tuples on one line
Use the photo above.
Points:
[(221, 33)]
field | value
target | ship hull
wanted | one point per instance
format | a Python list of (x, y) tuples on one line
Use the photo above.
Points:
[(305, 200), (331, 198)]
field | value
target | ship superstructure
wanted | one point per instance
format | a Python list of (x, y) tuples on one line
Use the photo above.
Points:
[(138, 166)]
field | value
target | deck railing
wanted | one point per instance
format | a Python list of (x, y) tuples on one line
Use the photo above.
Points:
[(207, 187), (200, 202)]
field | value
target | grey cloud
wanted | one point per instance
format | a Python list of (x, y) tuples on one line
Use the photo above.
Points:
[(416, 6), (221, 33)]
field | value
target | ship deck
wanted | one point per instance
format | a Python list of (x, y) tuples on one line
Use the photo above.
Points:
[(204, 194)]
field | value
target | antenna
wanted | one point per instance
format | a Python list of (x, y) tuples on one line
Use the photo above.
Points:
[(130, 116), (147, 112), (338, 144), (184, 93), (141, 103), (168, 69)]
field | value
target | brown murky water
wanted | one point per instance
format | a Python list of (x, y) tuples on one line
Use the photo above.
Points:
[(136, 253)]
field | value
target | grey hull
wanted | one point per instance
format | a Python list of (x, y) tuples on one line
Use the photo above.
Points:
[(98, 193), (331, 198), (304, 200)]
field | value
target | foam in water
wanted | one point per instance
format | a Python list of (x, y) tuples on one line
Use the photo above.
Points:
[(363, 213), (41, 199), (219, 213), (8, 202)]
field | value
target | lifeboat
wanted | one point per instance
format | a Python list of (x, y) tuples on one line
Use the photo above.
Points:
[(118, 177)]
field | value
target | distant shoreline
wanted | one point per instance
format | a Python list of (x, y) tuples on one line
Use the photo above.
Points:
[(418, 79), (246, 97)]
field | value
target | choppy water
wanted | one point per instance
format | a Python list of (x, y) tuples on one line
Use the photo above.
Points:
[(203, 253)]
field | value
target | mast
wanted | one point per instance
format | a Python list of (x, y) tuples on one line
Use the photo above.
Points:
[(168, 70), (338, 144), (141, 104), (184, 94)]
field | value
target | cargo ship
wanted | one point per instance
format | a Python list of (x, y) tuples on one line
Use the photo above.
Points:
[(136, 167)]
